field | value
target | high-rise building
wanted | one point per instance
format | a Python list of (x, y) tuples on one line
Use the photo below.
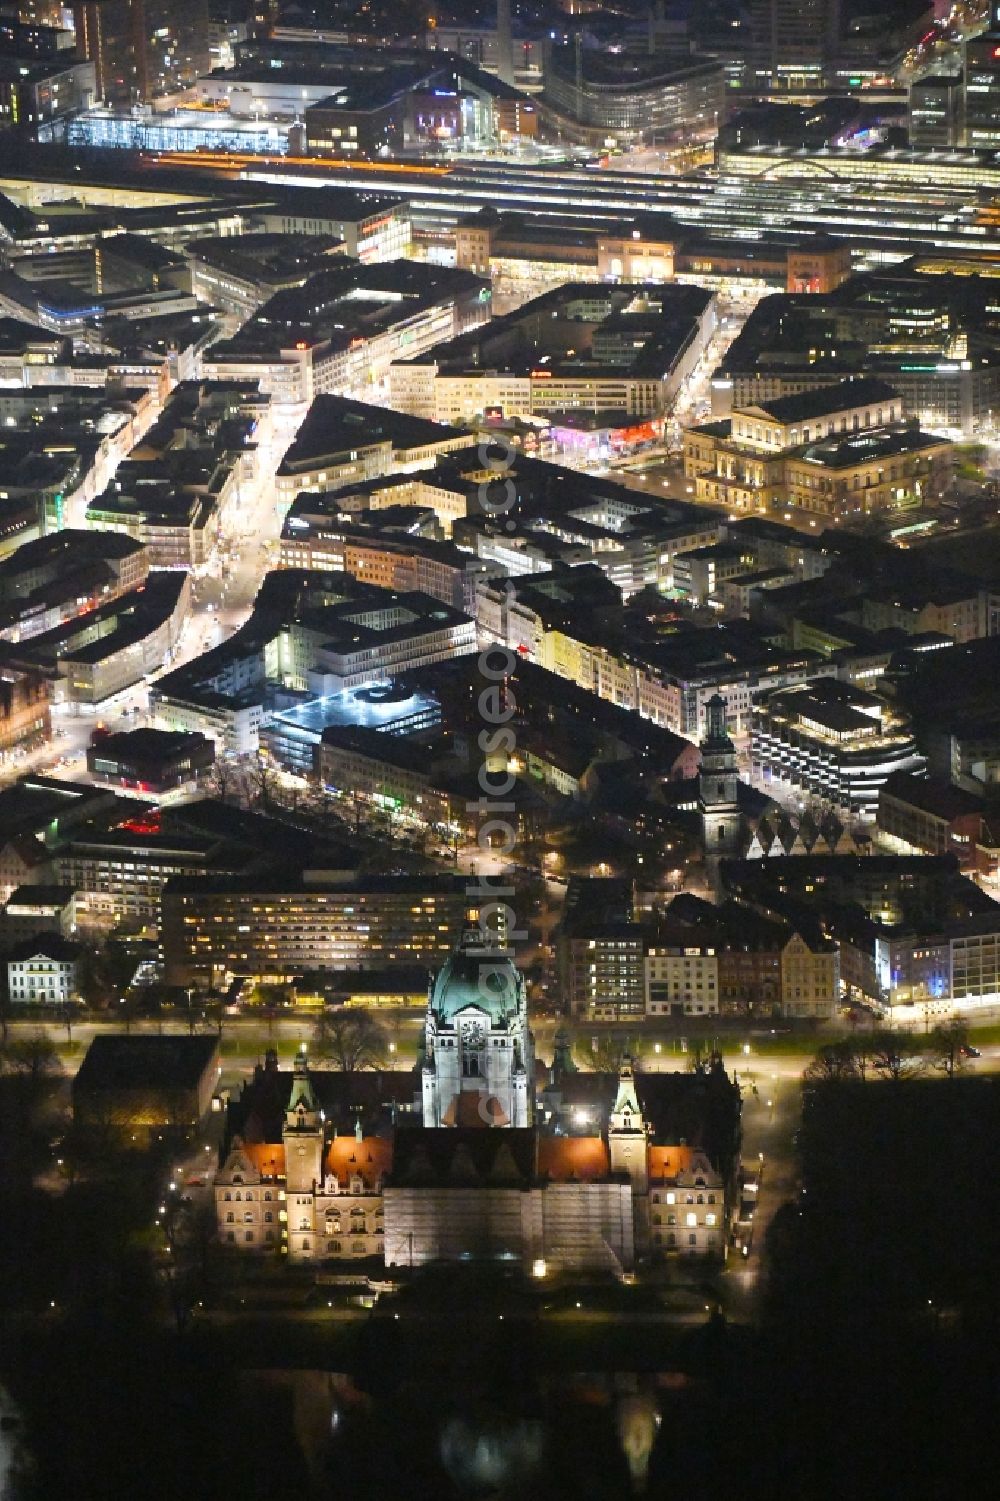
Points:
[(935, 110), (982, 86), (505, 46), (793, 44), (142, 48)]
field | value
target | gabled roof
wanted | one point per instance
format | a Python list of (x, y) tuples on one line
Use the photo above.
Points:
[(371, 1157), (564, 1159)]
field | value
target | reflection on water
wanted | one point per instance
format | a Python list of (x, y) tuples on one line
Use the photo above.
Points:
[(588, 1436), (13, 1461), (487, 1452)]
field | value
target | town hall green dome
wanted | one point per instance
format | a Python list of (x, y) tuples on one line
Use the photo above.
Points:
[(475, 976)]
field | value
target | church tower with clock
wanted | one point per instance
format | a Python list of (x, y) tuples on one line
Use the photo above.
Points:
[(479, 1058)]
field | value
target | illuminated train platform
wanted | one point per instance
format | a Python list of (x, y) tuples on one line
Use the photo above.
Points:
[(884, 220)]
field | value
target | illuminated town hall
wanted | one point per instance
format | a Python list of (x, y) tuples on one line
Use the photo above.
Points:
[(479, 1152)]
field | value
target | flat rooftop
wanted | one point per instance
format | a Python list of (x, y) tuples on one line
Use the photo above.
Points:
[(387, 708), (335, 425), (133, 1063)]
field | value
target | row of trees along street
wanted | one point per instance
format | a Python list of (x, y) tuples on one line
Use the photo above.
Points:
[(891, 1054)]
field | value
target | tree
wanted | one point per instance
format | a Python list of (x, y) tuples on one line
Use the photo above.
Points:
[(834, 1061), (96, 981), (946, 1047), (863, 1045), (602, 1052), (271, 994), (262, 781), (895, 1055), (221, 780), (31, 1059), (351, 1039)]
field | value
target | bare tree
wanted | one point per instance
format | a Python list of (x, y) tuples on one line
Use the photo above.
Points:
[(895, 1055), (220, 781), (946, 1047), (31, 1058), (351, 1039), (601, 1052), (863, 1047), (262, 781), (834, 1061)]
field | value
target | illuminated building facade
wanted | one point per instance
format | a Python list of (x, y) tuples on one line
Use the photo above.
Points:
[(280, 928), (143, 48), (651, 98), (606, 1181), (837, 451), (982, 87), (479, 1057), (794, 44), (833, 741)]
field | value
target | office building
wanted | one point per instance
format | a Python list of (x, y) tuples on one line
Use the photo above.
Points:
[(343, 442), (278, 928), (38, 909), (832, 741), (141, 49), (584, 345), (794, 45), (150, 760), (981, 123), (650, 100), (340, 331), (105, 650), (24, 709), (936, 109)]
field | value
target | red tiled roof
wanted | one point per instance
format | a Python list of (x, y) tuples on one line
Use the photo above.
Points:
[(667, 1162), (371, 1157), (470, 1108), (563, 1158), (267, 1157)]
